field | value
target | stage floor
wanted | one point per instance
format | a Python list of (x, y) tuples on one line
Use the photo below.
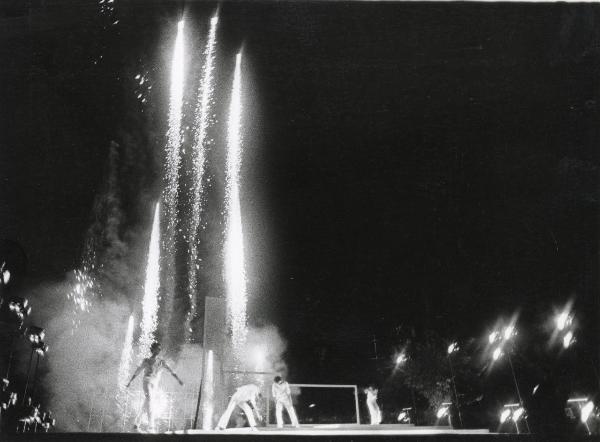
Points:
[(340, 430)]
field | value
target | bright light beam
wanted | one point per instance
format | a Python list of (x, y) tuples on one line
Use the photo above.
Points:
[(151, 288), (234, 242), (203, 120)]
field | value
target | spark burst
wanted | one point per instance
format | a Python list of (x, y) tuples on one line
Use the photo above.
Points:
[(126, 354), (151, 287), (174, 137), (82, 293), (200, 146), (172, 166), (234, 241)]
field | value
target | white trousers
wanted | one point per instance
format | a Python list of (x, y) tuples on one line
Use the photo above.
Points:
[(279, 405), (375, 412), (232, 404)]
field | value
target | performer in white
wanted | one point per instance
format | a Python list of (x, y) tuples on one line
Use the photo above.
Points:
[(241, 397), (283, 398), (374, 410), (152, 367)]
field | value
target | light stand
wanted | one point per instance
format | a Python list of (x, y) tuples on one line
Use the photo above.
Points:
[(452, 349)]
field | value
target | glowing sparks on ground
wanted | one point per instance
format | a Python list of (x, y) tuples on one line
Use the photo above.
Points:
[(203, 119), (151, 287), (235, 277), (208, 394), (126, 355)]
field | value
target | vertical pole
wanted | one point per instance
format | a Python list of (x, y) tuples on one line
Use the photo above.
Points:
[(512, 369), (202, 372), (412, 393), (10, 355), (27, 381), (455, 392), (35, 373), (356, 404)]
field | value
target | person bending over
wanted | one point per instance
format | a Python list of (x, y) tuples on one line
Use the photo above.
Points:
[(243, 397)]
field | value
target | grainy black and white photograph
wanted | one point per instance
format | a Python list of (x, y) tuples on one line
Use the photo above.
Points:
[(299, 220)]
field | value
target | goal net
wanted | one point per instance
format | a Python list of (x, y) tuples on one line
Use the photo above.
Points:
[(320, 404)]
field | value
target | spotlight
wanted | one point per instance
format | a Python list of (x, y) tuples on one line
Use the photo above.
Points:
[(7, 399), (563, 320), (5, 276), (401, 359), (497, 354), (40, 348), (443, 410), (48, 421), (35, 334), (493, 337), (404, 416), (452, 348), (19, 306), (509, 332), (505, 415), (518, 414), (214, 20), (586, 411), (568, 339)]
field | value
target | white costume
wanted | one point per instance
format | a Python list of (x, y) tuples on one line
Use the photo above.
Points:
[(283, 398), (374, 410), (241, 397)]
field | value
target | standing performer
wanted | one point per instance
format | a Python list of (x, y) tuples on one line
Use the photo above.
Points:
[(374, 409), (283, 398), (241, 397), (152, 370)]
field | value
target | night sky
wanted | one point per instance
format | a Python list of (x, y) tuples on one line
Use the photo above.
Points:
[(418, 165)]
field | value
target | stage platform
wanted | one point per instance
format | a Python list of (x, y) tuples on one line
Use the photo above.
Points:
[(321, 433)]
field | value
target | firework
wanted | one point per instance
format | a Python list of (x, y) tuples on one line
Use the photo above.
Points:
[(151, 287), (235, 277), (203, 119)]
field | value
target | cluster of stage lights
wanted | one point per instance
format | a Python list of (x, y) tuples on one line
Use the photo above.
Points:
[(36, 336), (499, 338), (564, 327), (586, 409), (514, 412), (20, 308)]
